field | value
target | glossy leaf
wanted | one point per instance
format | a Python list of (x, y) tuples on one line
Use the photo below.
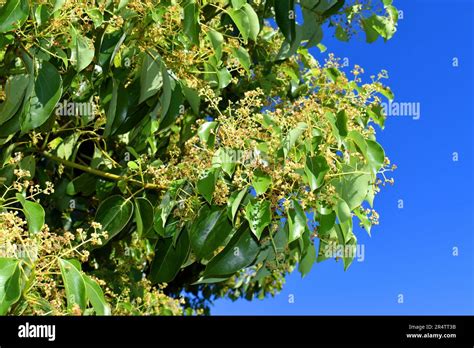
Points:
[(96, 297), (144, 213), (209, 231), (261, 181), (239, 253), (113, 214), (259, 216), (74, 284), (34, 214), (168, 258), (10, 283), (13, 14), (285, 18), (296, 222), (315, 169)]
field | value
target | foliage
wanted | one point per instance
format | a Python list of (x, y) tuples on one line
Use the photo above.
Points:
[(160, 154)]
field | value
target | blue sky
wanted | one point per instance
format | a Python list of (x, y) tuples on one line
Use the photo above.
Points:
[(411, 252)]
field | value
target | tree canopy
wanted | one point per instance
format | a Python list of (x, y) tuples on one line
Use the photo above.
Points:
[(157, 155)]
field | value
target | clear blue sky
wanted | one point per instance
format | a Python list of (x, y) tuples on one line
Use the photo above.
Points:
[(411, 251)]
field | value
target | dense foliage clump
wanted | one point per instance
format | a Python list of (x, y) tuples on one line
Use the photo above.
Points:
[(156, 155)]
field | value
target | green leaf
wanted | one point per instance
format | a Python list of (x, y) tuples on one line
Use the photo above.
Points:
[(67, 147), (96, 297), (144, 213), (307, 260), (242, 21), (285, 18), (34, 214), (113, 214), (216, 40), (292, 136), (375, 154), (259, 216), (341, 123), (261, 181), (352, 185), (206, 185), (234, 202), (10, 283), (341, 34), (296, 222), (209, 231), (254, 22), (15, 89), (13, 14), (47, 91), (237, 4), (239, 253), (192, 97), (224, 77), (326, 223), (343, 211), (82, 50), (151, 78), (96, 16), (315, 169), (168, 258), (243, 57), (207, 133), (191, 21), (74, 284)]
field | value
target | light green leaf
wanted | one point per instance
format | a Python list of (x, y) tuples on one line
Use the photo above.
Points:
[(96, 297), (74, 284), (307, 260), (206, 185), (15, 89), (375, 154), (82, 50), (151, 78), (296, 222), (254, 22), (207, 133), (10, 283), (243, 57), (259, 216), (315, 169), (234, 202), (261, 181)]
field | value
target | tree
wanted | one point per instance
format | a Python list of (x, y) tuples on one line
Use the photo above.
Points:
[(151, 147)]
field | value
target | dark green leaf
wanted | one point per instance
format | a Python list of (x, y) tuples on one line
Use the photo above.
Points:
[(74, 285), (34, 214), (13, 14), (113, 214)]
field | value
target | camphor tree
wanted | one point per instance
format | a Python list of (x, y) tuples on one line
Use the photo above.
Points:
[(157, 155)]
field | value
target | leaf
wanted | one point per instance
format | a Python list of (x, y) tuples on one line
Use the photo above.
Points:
[(15, 89), (242, 21), (144, 213), (74, 285), (224, 77), (206, 185), (209, 231), (315, 169), (113, 214), (96, 297), (285, 18), (192, 97), (191, 21), (13, 14), (216, 40), (261, 181), (10, 283), (243, 57), (34, 214), (82, 50), (307, 260), (341, 123), (66, 148), (375, 154), (234, 203), (237, 4), (239, 253), (151, 78), (352, 188), (259, 216), (292, 137), (341, 34), (207, 133), (47, 91), (343, 211), (168, 258), (254, 22), (296, 222)]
